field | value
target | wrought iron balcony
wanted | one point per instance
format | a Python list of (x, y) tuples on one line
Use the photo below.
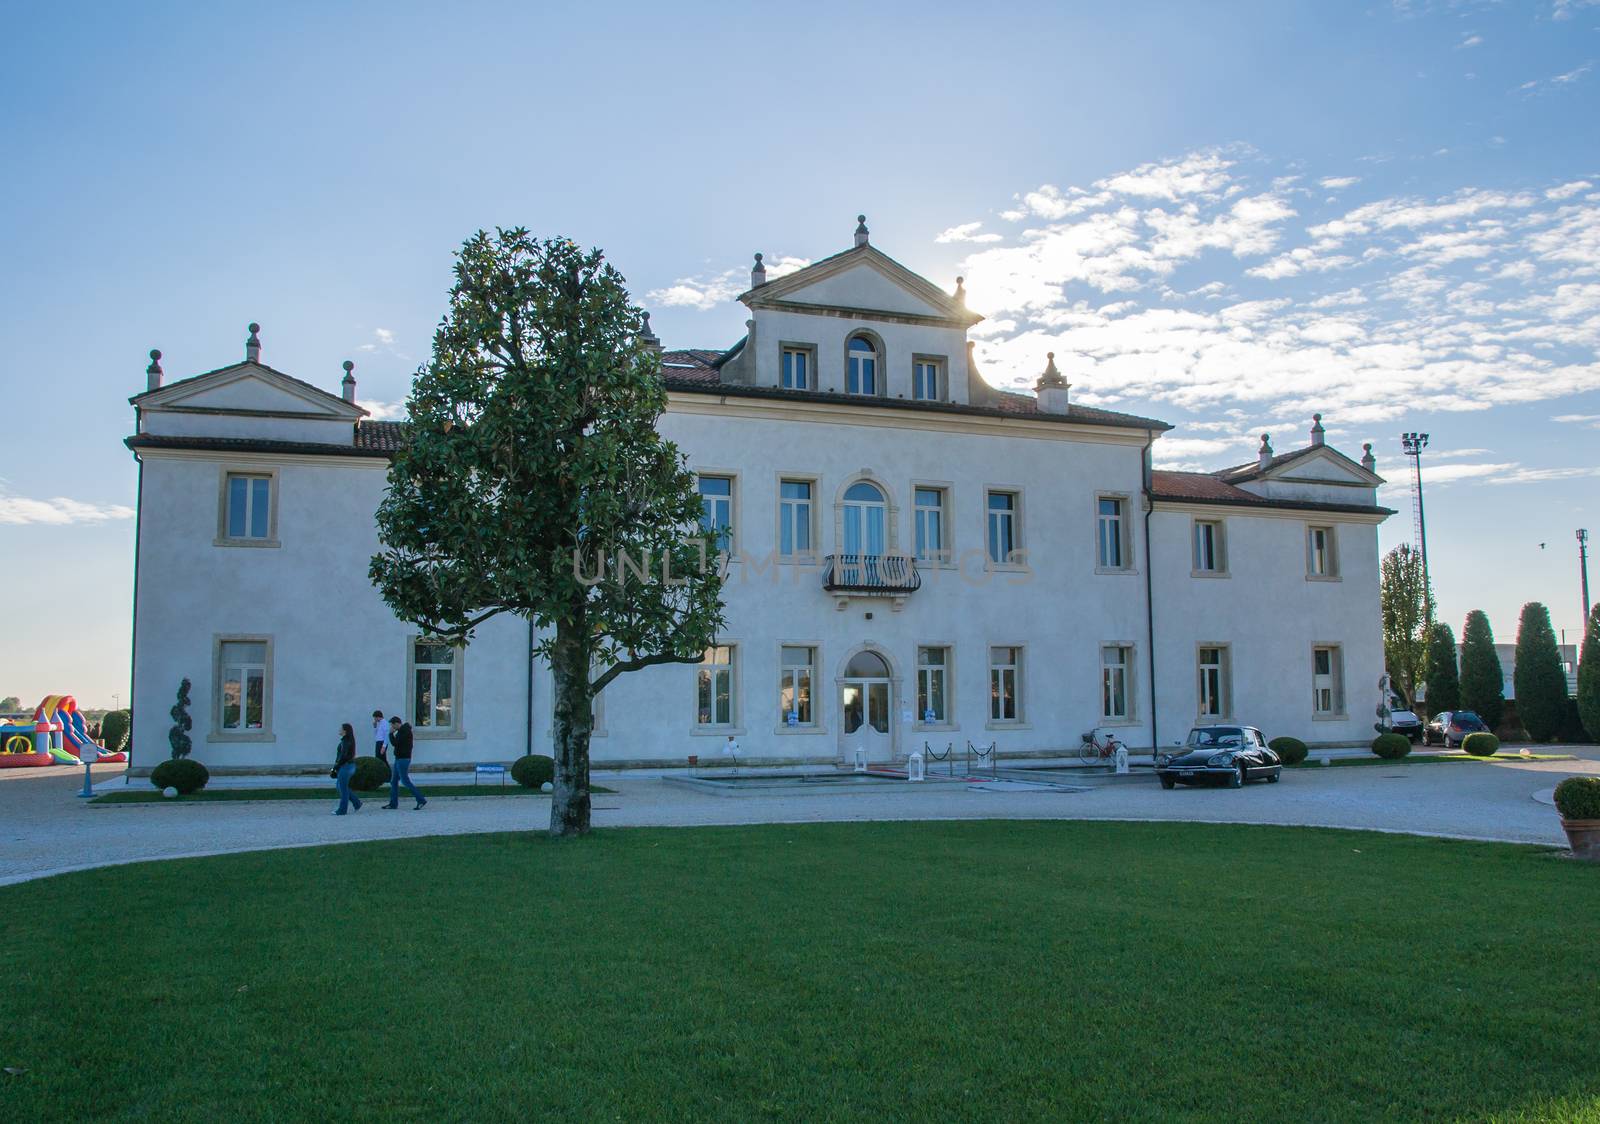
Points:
[(890, 575)]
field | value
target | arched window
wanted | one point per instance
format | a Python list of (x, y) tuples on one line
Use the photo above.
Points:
[(866, 665), (865, 532), (861, 376)]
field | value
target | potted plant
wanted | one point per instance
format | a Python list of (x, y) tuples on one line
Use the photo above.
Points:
[(1578, 801)]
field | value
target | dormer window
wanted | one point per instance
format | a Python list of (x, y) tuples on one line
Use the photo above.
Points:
[(927, 379), (861, 376), (798, 362)]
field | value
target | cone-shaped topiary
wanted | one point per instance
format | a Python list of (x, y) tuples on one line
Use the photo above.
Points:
[(1483, 686), (1481, 744), (1391, 746), (178, 736), (1291, 751), (1444, 683), (1540, 681), (1589, 677)]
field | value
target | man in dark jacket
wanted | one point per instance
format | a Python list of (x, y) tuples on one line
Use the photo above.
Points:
[(400, 742)]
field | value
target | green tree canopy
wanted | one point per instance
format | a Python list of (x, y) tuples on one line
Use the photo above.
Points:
[(1407, 607), (1441, 676), (1589, 677), (1483, 685), (532, 466), (10, 703), (1540, 682)]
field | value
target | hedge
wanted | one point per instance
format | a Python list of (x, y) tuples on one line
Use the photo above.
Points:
[(1481, 744), (1291, 751), (533, 770), (182, 773), (1391, 746), (371, 774)]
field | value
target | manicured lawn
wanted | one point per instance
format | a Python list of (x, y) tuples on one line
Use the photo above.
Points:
[(928, 972), (151, 796), (1313, 762)]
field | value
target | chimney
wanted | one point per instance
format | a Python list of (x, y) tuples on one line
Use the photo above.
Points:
[(1051, 389), (348, 386), (861, 230), (1368, 461), (1317, 432), (648, 336), (252, 346), (152, 373), (758, 273), (1265, 456)]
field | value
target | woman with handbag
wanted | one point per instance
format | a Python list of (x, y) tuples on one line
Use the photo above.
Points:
[(344, 767)]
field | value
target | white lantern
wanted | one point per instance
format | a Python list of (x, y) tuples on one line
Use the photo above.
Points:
[(861, 760), (914, 768), (1121, 759)]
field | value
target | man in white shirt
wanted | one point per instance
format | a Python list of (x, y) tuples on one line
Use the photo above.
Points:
[(380, 736)]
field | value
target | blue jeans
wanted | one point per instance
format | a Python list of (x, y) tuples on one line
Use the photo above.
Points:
[(346, 797), (401, 775)]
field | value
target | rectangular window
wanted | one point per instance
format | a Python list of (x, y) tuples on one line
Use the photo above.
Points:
[(1116, 661), (1005, 665), (794, 517), (1322, 559), (714, 704), (435, 685), (1327, 681), (927, 380), (1208, 550), (1111, 538), (1213, 665), (797, 368), (933, 665), (929, 505), (249, 506), (1002, 510), (716, 499), (242, 683), (797, 670)]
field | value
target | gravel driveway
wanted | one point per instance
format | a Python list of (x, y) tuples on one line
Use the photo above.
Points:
[(45, 830)]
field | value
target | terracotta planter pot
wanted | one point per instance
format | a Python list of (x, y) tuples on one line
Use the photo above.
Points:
[(1584, 836)]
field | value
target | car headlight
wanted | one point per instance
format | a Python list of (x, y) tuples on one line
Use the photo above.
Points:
[(1218, 760), (1164, 759)]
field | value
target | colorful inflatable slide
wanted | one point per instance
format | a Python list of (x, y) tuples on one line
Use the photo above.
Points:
[(56, 735)]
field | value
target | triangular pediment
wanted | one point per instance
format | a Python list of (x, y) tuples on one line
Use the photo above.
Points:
[(861, 280), (1322, 465), (249, 388)]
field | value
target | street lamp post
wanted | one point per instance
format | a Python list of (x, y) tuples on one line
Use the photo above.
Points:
[(1413, 444)]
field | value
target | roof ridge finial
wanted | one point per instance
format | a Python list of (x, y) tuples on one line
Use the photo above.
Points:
[(1265, 454), (960, 296), (861, 230), (348, 384), (152, 373), (1318, 434), (758, 273), (647, 335), (1368, 460), (1051, 376), (252, 346)]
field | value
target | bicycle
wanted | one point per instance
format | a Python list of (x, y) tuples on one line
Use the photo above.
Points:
[(1093, 751)]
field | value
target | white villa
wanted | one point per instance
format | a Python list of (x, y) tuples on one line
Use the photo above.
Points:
[(916, 558)]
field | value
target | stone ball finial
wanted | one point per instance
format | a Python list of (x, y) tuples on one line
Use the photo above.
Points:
[(348, 366), (861, 218), (254, 328), (1316, 417), (1050, 355), (758, 257), (155, 355), (1366, 446)]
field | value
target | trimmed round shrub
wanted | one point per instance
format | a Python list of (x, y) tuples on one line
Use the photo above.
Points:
[(182, 773), (1391, 746), (371, 774), (1481, 744), (114, 729), (1578, 798), (1291, 751), (533, 770)]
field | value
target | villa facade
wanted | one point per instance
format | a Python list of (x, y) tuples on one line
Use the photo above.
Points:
[(916, 559)]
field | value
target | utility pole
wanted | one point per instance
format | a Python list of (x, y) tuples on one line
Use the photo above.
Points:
[(1583, 572), (1413, 444)]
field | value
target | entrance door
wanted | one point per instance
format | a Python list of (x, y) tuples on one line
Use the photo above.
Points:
[(864, 702)]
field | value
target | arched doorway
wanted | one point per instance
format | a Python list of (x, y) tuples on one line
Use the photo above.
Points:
[(866, 692)]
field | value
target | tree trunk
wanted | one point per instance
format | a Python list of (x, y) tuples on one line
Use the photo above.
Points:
[(574, 722)]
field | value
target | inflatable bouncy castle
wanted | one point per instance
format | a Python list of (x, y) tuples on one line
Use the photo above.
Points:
[(56, 735)]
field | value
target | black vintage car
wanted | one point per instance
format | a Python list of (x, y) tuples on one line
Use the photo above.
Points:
[(1230, 755)]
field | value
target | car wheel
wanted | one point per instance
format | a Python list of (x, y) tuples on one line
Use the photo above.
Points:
[(1237, 780), (1168, 783), (1275, 778)]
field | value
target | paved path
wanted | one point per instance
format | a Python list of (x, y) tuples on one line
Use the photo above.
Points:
[(45, 830)]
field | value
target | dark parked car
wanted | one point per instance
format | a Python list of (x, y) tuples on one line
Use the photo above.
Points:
[(1450, 728), (1230, 755), (1406, 724)]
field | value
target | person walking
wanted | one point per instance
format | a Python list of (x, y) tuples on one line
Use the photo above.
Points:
[(400, 739), (380, 736), (344, 767)]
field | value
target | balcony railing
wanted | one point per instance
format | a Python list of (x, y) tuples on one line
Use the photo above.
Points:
[(890, 574)]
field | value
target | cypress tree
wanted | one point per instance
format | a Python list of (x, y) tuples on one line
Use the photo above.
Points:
[(1444, 682), (1483, 687), (1540, 683), (1589, 677)]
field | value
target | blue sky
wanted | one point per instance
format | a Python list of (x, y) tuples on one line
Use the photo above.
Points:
[(1227, 217)]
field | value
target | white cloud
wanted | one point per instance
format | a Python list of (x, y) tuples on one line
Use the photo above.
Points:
[(383, 411), (58, 511), (1172, 179), (709, 290), (1568, 190), (1338, 183), (967, 232), (1469, 41)]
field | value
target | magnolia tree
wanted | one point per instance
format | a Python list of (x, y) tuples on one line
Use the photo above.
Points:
[(533, 482), (1407, 608)]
